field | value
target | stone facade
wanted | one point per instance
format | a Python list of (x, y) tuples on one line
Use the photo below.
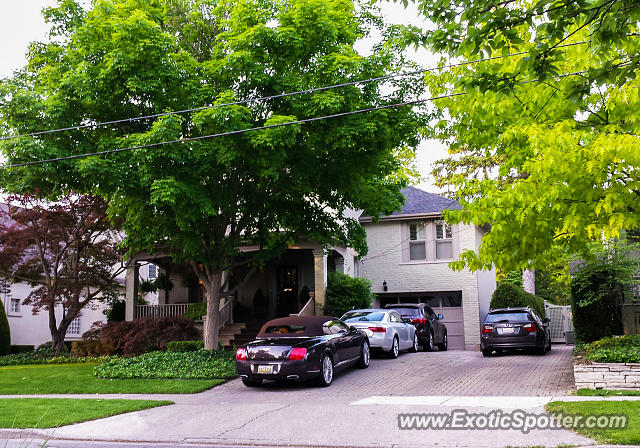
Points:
[(607, 376)]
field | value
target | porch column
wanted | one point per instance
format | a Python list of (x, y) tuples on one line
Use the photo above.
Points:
[(131, 291), (320, 279)]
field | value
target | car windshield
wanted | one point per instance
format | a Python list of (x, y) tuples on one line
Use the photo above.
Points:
[(408, 311), (517, 316), (285, 329), (363, 316)]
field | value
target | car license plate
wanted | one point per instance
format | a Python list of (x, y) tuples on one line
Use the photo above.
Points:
[(265, 369), (506, 330)]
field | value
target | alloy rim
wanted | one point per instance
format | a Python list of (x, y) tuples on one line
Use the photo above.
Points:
[(327, 369), (415, 343), (395, 347), (431, 341), (365, 354)]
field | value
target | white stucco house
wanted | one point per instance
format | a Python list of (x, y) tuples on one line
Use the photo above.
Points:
[(408, 262)]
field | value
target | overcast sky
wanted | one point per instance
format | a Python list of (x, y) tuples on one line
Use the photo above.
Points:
[(21, 22)]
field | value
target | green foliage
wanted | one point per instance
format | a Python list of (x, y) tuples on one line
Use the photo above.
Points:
[(200, 364), (15, 349), (597, 290), (48, 356), (512, 277), (543, 146), (5, 332), (554, 283), (345, 293), (508, 295), (116, 310), (195, 311), (185, 346), (613, 349)]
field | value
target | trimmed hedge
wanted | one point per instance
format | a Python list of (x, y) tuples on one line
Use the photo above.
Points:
[(614, 349), (5, 332), (185, 346), (22, 349), (508, 295), (47, 356), (201, 364), (345, 293)]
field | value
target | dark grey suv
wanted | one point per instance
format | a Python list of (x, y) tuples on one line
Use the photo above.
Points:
[(513, 328)]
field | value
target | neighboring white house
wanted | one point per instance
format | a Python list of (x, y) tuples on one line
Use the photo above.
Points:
[(408, 262)]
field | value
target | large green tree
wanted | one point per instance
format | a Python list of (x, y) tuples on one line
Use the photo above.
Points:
[(200, 200), (544, 140)]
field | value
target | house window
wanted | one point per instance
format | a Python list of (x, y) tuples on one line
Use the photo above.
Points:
[(74, 327), (444, 241), (153, 271), (14, 306), (417, 250)]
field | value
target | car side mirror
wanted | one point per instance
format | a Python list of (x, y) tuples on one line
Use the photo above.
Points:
[(353, 329), (440, 317)]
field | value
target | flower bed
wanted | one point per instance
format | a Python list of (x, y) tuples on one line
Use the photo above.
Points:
[(609, 363)]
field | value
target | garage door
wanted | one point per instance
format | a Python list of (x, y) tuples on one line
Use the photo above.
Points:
[(447, 303)]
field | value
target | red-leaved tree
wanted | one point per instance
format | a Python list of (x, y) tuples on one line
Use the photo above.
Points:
[(65, 250)]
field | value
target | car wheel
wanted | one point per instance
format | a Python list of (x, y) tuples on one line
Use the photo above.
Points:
[(414, 347), (541, 351), (486, 352), (429, 345), (326, 371), (365, 356), (444, 345), (395, 348), (251, 383), (549, 346)]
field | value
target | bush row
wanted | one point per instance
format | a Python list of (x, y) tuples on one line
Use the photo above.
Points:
[(200, 364), (47, 356), (613, 349), (185, 346)]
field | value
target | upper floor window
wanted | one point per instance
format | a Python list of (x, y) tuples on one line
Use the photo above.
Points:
[(74, 327), (14, 306), (417, 249), (153, 271), (444, 240)]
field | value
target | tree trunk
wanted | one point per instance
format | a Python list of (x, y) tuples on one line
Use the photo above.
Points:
[(213, 305), (529, 281), (57, 333)]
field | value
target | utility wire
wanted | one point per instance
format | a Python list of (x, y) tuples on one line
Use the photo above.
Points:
[(272, 97), (259, 128)]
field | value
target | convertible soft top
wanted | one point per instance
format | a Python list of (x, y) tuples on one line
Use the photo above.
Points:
[(294, 326)]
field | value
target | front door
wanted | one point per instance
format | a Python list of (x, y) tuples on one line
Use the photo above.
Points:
[(287, 290)]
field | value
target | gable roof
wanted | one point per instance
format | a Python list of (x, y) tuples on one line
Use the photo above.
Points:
[(419, 201)]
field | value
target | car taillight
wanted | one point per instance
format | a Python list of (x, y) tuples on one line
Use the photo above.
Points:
[(530, 328), (419, 321), (378, 329), (241, 354), (487, 329), (297, 354)]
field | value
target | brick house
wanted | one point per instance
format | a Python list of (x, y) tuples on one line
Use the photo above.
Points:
[(408, 261)]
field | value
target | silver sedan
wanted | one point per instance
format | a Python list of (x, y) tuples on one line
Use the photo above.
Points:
[(386, 330)]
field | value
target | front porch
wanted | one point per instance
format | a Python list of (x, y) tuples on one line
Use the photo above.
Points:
[(294, 283)]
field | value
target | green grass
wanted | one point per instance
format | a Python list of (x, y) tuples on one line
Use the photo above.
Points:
[(53, 412), (79, 379), (607, 393), (627, 436)]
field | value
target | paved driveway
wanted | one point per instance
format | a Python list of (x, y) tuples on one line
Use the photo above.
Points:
[(360, 409)]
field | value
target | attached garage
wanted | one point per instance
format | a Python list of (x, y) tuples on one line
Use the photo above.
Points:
[(447, 303)]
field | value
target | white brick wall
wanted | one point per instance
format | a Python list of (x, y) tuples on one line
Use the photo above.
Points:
[(384, 263)]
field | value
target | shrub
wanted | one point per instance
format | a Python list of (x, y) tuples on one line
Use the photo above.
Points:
[(47, 356), (345, 293), (508, 295), (614, 349), (5, 332), (200, 364), (185, 346), (130, 338), (596, 295), (195, 311), (116, 311), (22, 349)]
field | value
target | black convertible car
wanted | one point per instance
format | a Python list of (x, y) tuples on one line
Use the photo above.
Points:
[(301, 348)]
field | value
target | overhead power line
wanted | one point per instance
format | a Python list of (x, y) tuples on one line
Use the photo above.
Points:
[(272, 97)]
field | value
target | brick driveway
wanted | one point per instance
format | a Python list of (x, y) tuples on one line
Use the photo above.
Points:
[(457, 373)]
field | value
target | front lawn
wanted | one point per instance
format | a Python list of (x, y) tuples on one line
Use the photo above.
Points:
[(79, 379), (607, 393), (627, 436), (53, 412)]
